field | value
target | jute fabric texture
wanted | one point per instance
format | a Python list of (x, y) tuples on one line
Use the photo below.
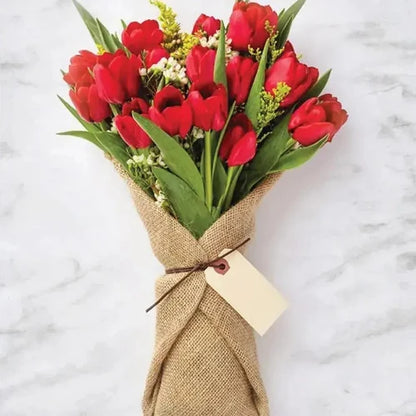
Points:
[(205, 361)]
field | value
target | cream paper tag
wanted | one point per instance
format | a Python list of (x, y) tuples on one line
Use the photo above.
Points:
[(247, 291)]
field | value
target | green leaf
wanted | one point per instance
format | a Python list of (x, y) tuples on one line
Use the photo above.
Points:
[(90, 22), (88, 126), (266, 157), (284, 33), (187, 205), (84, 135), (219, 181), (117, 42), (253, 102), (107, 39), (175, 157), (292, 11), (318, 87), (114, 145), (220, 76), (298, 157)]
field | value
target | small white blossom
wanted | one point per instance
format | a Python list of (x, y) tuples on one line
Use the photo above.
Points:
[(198, 133), (130, 162), (138, 159), (149, 160), (171, 69), (143, 72), (212, 42)]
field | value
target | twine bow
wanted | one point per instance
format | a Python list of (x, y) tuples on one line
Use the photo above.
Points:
[(219, 264)]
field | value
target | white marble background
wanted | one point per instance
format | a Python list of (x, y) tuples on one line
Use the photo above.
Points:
[(337, 237)]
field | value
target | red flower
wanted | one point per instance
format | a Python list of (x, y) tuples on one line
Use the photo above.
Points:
[(240, 141), (299, 77), (207, 24), (137, 37), (153, 56), (209, 105), (78, 72), (240, 75), (200, 64), (89, 105), (171, 112), (137, 105), (317, 118), (247, 25), (119, 79), (129, 130)]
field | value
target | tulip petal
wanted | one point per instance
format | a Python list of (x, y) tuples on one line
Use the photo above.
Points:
[(312, 133), (244, 150)]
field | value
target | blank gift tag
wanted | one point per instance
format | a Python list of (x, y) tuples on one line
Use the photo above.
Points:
[(247, 291)]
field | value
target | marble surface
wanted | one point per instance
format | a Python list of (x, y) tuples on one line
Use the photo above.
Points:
[(337, 237)]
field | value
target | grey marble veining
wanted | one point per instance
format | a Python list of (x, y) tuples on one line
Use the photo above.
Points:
[(337, 237)]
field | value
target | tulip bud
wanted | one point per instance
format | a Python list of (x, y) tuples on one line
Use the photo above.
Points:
[(138, 37), (317, 118), (248, 25), (89, 105), (288, 70), (240, 141)]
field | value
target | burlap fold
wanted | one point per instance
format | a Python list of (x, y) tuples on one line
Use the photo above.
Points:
[(205, 361)]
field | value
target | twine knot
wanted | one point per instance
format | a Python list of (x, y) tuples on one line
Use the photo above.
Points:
[(220, 264)]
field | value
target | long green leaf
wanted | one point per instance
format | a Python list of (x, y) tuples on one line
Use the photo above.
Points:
[(90, 22), (266, 157), (220, 75), (298, 157), (293, 10), (253, 102), (187, 205), (318, 87), (84, 135), (284, 33), (107, 39), (175, 157), (114, 145), (88, 126)]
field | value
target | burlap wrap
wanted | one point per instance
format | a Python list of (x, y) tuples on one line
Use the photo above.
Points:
[(205, 361)]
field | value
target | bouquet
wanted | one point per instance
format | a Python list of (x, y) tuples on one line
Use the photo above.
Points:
[(201, 125)]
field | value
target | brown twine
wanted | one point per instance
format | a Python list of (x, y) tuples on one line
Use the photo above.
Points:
[(219, 263)]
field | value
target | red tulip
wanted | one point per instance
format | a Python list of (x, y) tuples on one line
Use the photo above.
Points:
[(299, 77), (200, 64), (247, 25), (137, 105), (207, 24), (240, 75), (317, 118), (137, 37), (153, 56), (171, 112), (89, 105), (79, 69), (209, 105), (240, 141), (119, 80), (131, 132)]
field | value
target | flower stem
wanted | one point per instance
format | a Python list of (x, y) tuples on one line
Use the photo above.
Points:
[(115, 109), (228, 185), (231, 189), (208, 169)]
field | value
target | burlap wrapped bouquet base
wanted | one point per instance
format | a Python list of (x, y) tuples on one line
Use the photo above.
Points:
[(205, 361)]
